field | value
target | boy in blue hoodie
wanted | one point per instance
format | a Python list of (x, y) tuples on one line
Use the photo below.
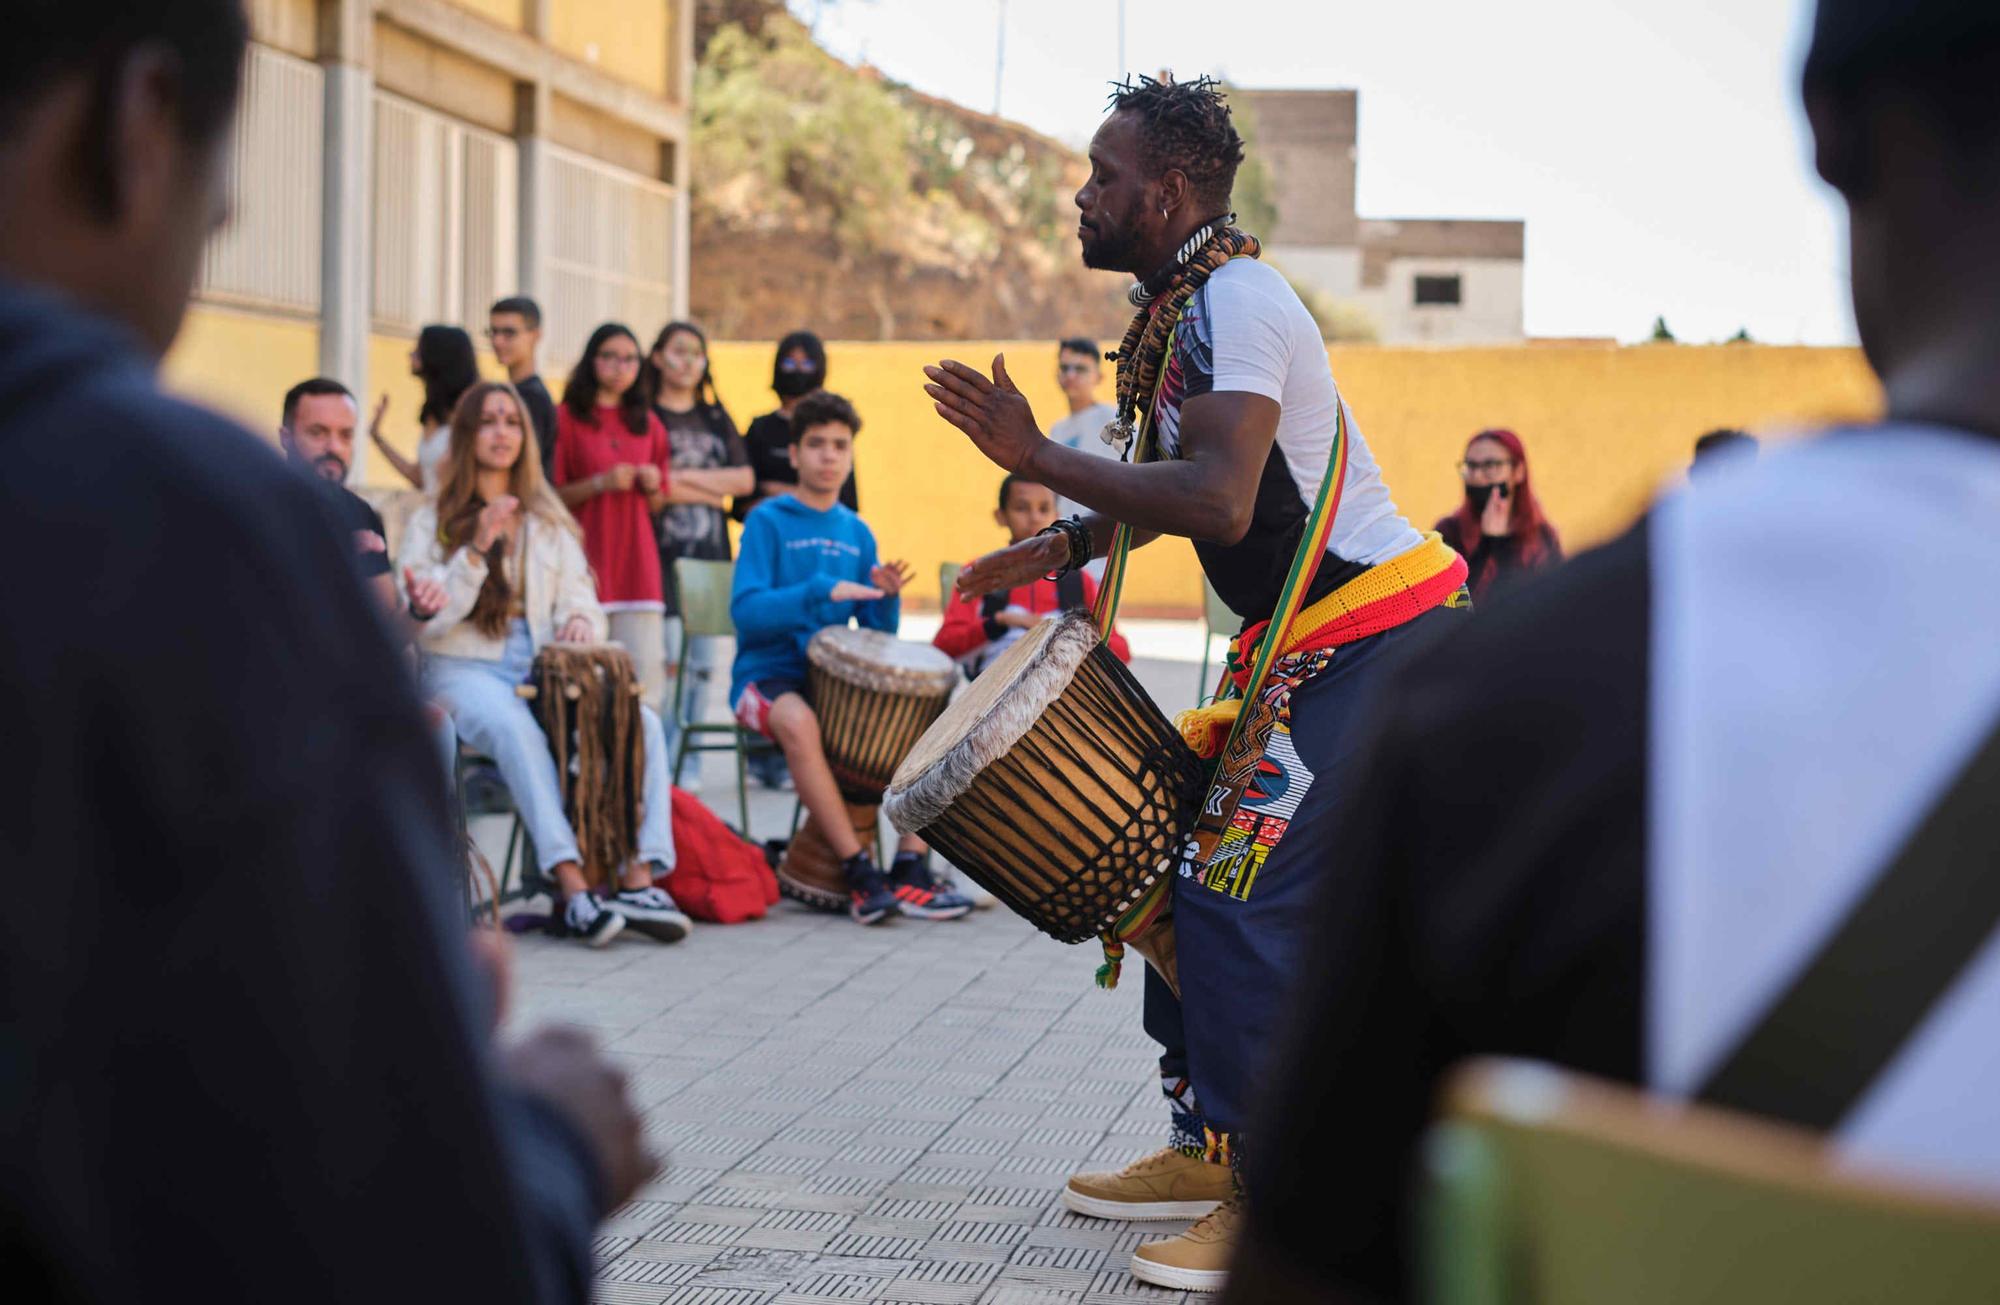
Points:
[(806, 562)]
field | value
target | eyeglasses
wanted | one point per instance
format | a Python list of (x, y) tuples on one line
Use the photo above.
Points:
[(795, 364), (1073, 369), (619, 359), (1487, 465)]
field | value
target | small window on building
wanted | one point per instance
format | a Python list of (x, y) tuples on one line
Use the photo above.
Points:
[(1438, 290)]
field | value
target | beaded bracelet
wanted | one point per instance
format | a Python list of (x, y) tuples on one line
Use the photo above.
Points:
[(1081, 547)]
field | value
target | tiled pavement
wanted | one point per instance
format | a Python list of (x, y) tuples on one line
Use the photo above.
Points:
[(854, 1114)]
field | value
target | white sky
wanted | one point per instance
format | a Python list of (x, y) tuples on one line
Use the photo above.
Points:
[(1655, 147)]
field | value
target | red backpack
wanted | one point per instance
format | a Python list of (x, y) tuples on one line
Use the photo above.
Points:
[(717, 876)]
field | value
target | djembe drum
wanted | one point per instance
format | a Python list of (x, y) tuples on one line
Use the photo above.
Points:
[(587, 698), (875, 695), (1058, 785)]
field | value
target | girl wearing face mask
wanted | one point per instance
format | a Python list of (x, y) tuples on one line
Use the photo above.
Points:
[(799, 370), (1499, 526), (704, 444)]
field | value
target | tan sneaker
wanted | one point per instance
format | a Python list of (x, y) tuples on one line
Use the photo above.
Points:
[(1198, 1259), (1163, 1185)]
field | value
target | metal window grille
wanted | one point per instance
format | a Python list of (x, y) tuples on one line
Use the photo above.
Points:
[(611, 250), (1444, 290), (444, 231), (268, 254)]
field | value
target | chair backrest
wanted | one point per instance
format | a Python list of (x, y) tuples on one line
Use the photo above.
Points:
[(947, 577), (1545, 1188), (1220, 620), (704, 595)]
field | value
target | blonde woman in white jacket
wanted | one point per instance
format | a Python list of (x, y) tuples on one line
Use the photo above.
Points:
[(510, 558)]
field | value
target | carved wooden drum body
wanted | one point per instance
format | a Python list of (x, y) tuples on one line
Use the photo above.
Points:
[(875, 696), (1055, 782)]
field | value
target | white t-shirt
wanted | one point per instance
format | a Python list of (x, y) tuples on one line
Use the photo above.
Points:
[(1084, 432), (430, 455), (1823, 666), (1246, 331)]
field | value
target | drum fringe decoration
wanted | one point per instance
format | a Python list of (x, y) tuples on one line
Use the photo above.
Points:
[(1130, 925), (589, 709)]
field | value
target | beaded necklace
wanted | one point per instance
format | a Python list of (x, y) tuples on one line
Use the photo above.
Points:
[(1160, 299)]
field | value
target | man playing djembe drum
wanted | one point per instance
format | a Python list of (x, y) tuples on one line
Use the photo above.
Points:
[(1243, 444)]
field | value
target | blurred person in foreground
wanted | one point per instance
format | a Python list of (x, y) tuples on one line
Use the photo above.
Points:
[(1721, 448), (245, 1044), (1686, 758), (1499, 527)]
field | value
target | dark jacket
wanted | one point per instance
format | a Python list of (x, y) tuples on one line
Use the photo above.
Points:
[(243, 1046)]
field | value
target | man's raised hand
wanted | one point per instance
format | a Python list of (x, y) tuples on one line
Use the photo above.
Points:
[(993, 412)]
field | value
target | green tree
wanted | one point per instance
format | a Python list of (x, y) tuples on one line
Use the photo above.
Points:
[(1256, 195), (1661, 335), (786, 115)]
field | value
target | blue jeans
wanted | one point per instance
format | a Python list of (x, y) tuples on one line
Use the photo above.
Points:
[(493, 719)]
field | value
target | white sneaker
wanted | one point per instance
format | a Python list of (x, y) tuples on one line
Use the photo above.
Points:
[(586, 919), (651, 912)]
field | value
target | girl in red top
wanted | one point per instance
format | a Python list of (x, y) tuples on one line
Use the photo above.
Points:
[(1499, 527), (612, 468), (977, 630)]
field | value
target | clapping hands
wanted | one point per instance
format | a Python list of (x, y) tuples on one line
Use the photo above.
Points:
[(890, 577)]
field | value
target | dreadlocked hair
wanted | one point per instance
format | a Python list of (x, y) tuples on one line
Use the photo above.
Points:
[(1185, 125), (1144, 350)]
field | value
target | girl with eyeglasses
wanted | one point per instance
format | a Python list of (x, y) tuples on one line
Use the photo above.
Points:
[(1499, 526), (706, 449), (613, 468)]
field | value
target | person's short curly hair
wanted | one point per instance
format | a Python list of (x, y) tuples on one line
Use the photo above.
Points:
[(1184, 125), (818, 409)]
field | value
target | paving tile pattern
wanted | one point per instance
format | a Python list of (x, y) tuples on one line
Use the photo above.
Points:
[(850, 1114), (856, 1114)]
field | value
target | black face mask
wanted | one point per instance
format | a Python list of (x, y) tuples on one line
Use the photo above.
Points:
[(793, 385), (1478, 494)]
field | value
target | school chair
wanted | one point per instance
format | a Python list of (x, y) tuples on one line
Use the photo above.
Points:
[(947, 580), (1547, 1188), (704, 588)]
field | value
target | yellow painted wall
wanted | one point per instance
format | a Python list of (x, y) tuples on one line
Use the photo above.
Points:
[(241, 363), (507, 13), (626, 39), (1605, 429)]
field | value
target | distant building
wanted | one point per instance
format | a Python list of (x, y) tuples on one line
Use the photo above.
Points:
[(1441, 280)]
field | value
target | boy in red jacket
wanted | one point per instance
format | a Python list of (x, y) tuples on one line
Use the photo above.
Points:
[(978, 630)]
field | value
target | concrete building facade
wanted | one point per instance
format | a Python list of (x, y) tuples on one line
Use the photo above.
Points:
[(401, 162), (1417, 280)]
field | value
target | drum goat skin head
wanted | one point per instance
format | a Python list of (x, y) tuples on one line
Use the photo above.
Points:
[(987, 719)]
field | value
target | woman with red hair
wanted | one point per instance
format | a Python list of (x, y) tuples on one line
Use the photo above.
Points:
[(1499, 527)]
